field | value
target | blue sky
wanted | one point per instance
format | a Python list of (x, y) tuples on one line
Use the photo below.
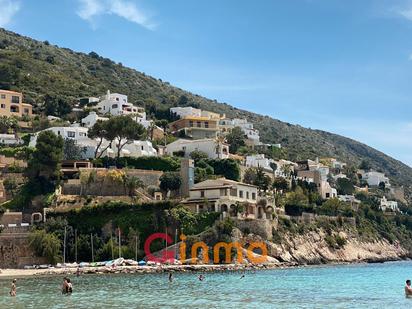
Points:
[(341, 66)]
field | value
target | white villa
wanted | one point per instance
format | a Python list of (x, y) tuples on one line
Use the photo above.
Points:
[(79, 134), (10, 139), (259, 160), (223, 195), (210, 146), (226, 125), (116, 104), (385, 204), (190, 111), (349, 199), (91, 119), (375, 178)]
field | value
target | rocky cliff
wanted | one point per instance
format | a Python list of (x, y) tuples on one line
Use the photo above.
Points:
[(315, 248)]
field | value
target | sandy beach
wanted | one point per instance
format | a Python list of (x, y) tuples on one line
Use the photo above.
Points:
[(18, 273)]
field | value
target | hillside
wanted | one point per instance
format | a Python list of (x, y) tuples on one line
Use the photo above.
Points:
[(39, 68)]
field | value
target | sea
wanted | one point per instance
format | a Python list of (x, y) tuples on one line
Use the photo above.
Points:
[(334, 286)]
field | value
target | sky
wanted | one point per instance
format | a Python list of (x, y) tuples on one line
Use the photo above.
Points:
[(341, 66)]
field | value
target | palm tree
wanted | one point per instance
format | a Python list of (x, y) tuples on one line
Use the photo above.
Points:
[(132, 183)]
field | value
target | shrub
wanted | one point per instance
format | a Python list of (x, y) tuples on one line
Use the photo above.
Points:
[(45, 245), (165, 164)]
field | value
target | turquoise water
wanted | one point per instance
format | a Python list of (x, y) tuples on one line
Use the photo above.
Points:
[(349, 286)]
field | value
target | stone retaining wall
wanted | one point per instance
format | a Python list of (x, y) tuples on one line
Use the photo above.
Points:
[(15, 251)]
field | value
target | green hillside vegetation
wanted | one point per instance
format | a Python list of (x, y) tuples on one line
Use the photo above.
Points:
[(53, 78)]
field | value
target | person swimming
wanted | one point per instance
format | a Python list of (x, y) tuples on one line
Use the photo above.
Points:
[(13, 290), (408, 289), (201, 277)]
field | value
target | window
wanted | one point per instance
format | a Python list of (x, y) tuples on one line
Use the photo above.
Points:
[(71, 134), (202, 193), (3, 106), (3, 96), (327, 195), (206, 124), (222, 192), (26, 111), (247, 194), (253, 196), (117, 99), (241, 194), (115, 106), (199, 124), (142, 148), (190, 123), (233, 192), (15, 99)]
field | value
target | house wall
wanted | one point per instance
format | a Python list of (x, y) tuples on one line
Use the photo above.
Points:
[(193, 122), (206, 146), (237, 194), (11, 104), (186, 111)]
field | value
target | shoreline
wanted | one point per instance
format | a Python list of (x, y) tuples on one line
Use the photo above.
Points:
[(102, 270)]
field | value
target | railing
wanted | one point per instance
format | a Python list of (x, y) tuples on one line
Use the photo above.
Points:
[(15, 228)]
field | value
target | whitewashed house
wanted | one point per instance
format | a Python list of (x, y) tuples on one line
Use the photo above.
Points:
[(385, 204), (252, 135), (10, 139), (210, 146), (373, 178), (190, 111), (79, 134), (349, 199), (116, 104), (186, 111), (91, 119), (259, 160)]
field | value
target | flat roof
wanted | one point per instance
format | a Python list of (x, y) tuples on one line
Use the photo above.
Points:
[(10, 91)]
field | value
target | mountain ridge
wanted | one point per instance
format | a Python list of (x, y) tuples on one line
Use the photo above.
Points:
[(38, 68)]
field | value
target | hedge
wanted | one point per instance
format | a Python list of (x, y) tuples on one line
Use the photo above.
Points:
[(165, 164)]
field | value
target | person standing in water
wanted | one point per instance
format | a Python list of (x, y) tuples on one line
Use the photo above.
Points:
[(13, 290), (170, 277), (408, 288), (69, 286), (64, 286)]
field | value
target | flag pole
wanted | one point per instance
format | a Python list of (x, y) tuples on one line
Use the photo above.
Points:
[(91, 239), (64, 245), (75, 244), (120, 245)]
